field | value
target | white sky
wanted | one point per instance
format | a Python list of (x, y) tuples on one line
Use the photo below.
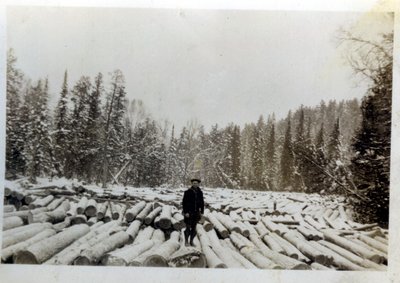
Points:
[(214, 66)]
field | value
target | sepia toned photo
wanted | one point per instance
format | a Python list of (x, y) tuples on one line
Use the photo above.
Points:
[(189, 138)]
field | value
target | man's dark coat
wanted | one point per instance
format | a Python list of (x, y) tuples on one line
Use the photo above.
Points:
[(193, 203)]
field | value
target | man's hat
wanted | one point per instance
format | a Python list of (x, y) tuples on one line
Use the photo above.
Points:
[(195, 180)]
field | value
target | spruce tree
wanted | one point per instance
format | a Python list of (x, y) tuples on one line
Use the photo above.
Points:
[(287, 159)]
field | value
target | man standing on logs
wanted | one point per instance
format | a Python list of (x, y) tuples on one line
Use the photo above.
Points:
[(193, 208)]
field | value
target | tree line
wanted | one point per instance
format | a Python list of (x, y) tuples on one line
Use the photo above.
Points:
[(96, 134)]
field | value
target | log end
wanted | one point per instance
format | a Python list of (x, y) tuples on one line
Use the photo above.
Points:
[(155, 261), (25, 257), (82, 260)]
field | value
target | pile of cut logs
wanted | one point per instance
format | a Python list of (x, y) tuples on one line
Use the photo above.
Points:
[(241, 229)]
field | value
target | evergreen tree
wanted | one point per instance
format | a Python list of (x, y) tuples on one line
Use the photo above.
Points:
[(15, 162), (270, 157), (61, 125), (287, 159)]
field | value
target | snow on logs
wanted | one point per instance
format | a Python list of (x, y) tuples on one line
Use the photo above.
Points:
[(165, 217), (94, 254), (12, 222), (46, 248), (161, 256), (131, 213)]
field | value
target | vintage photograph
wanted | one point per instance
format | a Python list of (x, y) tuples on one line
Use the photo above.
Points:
[(191, 138)]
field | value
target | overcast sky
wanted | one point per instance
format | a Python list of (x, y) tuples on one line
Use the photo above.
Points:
[(215, 66)]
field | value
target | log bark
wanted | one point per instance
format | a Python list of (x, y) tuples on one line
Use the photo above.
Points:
[(80, 209), (131, 213), (352, 257), (41, 202), (46, 248), (146, 210), (9, 251), (236, 255), (158, 238), (12, 222), (153, 214), (188, 257), (289, 249), (78, 219), (72, 209), (317, 266), (133, 230), (115, 210), (54, 216), (165, 217), (92, 221), (337, 260), (308, 250), (213, 261), (94, 254), (165, 250), (144, 234), (55, 203), (219, 250), (373, 243), (227, 222), (23, 234), (70, 253), (122, 257), (351, 246), (30, 198), (91, 208), (101, 210), (8, 208), (222, 231)]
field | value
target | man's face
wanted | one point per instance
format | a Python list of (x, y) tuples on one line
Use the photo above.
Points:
[(195, 184)]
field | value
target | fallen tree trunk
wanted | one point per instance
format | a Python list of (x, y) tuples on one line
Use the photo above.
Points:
[(70, 253), (145, 234), (352, 257), (91, 208), (78, 219), (101, 210), (146, 210), (213, 261), (41, 202), (122, 257), (131, 213), (9, 251), (336, 259), (72, 209), (55, 203), (236, 255), (255, 255), (158, 238), (22, 235), (279, 259), (46, 248), (8, 208), (373, 243), (353, 247), (54, 216), (165, 217), (227, 222), (133, 230), (222, 231), (164, 252), (150, 218), (82, 205), (12, 222), (94, 254)]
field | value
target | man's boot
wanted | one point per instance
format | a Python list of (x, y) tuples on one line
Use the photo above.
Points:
[(187, 233), (192, 235)]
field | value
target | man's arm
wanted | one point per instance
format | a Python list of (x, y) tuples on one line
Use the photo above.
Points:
[(202, 203), (184, 203)]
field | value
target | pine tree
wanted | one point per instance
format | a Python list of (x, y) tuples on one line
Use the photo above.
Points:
[(371, 163), (61, 125), (257, 154), (287, 159), (113, 126), (15, 162), (39, 151), (270, 157)]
